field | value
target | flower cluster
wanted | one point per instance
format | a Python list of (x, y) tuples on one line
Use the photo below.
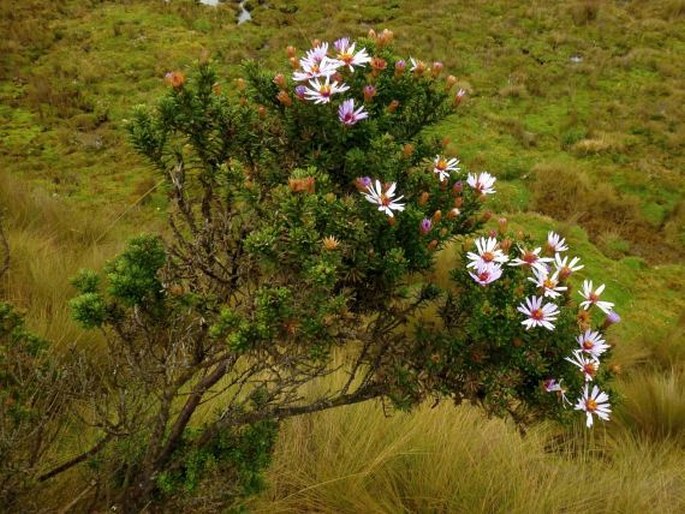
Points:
[(322, 73), (549, 271)]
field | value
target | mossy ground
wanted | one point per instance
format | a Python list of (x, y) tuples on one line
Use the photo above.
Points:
[(579, 101)]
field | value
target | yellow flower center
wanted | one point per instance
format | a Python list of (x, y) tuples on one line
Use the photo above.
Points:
[(590, 405), (587, 345), (590, 369), (488, 256), (537, 314)]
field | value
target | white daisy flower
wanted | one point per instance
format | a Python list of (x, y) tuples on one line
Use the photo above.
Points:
[(595, 402), (384, 199), (564, 267), (531, 259), (592, 298), (348, 116), (591, 342), (317, 53), (482, 182), (539, 315), (488, 251), (486, 273), (320, 93), (587, 364), (315, 69), (443, 167), (556, 243), (549, 283), (347, 56)]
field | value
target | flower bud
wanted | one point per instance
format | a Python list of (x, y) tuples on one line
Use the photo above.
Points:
[(583, 319), (372, 34), (459, 97), (505, 245), (284, 98), (369, 92), (362, 183), (175, 79), (458, 187), (437, 216), (615, 369), (492, 233), (459, 202), (216, 88), (302, 185), (407, 150), (294, 63), (453, 213), (425, 226), (240, 84), (400, 66), (300, 91), (436, 69), (450, 81), (384, 38), (423, 198), (393, 106), (486, 216), (290, 51), (378, 65), (502, 224), (279, 80), (419, 68), (261, 111), (443, 232), (611, 319), (433, 244)]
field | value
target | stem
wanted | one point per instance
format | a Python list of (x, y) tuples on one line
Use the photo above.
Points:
[(76, 460)]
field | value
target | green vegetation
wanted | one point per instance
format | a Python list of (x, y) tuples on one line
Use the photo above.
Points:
[(578, 109)]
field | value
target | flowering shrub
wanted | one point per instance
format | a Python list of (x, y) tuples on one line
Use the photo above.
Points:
[(306, 211)]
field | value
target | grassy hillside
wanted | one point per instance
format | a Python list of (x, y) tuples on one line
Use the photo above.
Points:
[(577, 107)]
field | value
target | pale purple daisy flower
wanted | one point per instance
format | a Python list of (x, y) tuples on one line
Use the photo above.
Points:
[(347, 56), (556, 243), (592, 297), (587, 364), (531, 258), (539, 314), (443, 167), (315, 69), (486, 273), (591, 342), (595, 402), (384, 199), (320, 93), (348, 116), (549, 283), (488, 251), (482, 182), (565, 267)]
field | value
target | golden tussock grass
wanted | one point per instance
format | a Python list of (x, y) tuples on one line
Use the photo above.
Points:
[(451, 459)]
